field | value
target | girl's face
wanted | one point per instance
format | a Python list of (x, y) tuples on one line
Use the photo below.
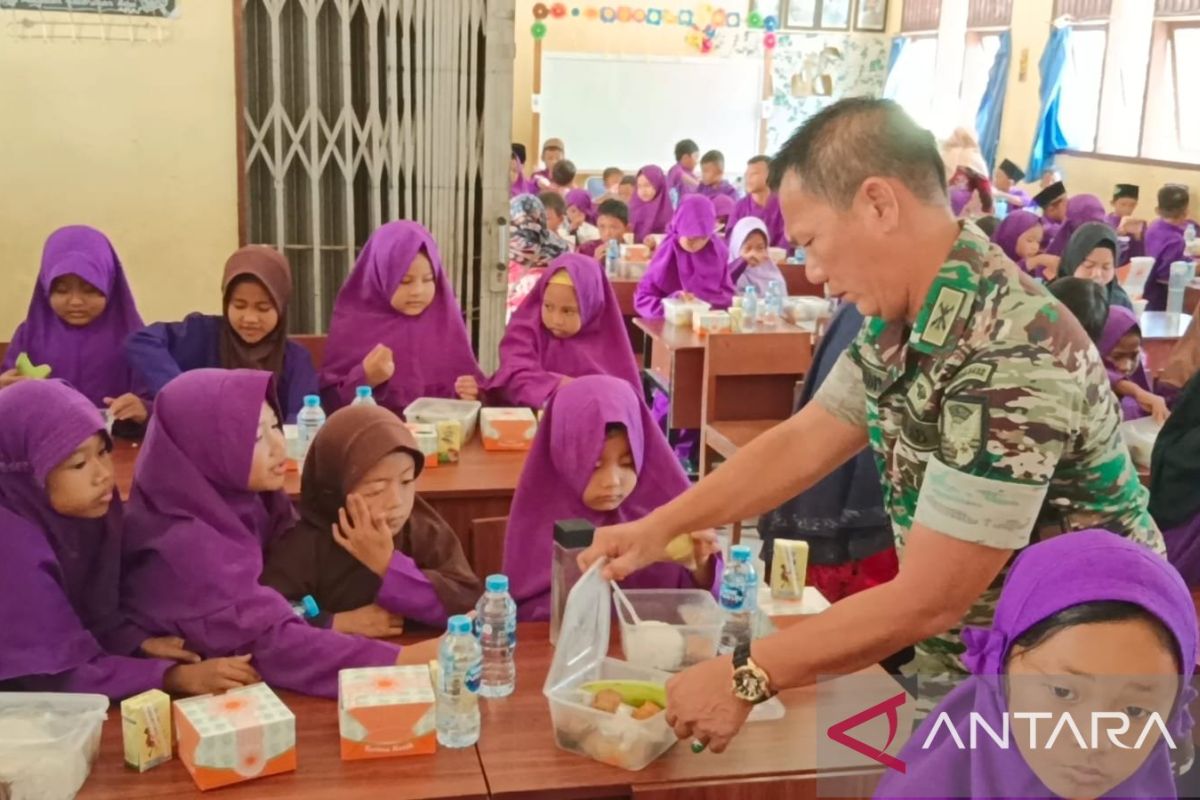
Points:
[(1120, 667), (389, 489), (645, 189), (251, 311), (269, 462), (575, 217), (693, 244), (1099, 266), (1128, 353), (614, 478), (560, 311), (1030, 242), (416, 289), (82, 485), (75, 301), (754, 249)]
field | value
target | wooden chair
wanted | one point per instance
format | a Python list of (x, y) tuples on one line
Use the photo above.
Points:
[(486, 552), (798, 284), (314, 344), (749, 387)]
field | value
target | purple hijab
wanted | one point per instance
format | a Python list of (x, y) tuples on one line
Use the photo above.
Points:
[(759, 277), (533, 361), (565, 451), (1080, 209), (1012, 228), (1049, 577), (646, 218), (583, 201), (1120, 322), (64, 572), (673, 269), (723, 205), (770, 213), (431, 350), (91, 358)]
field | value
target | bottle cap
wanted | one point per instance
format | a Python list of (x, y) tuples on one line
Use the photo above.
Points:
[(740, 553), (459, 624), (312, 401), (496, 583), (362, 391), (311, 609)]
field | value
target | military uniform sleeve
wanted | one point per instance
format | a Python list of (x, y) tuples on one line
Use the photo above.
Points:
[(1005, 422), (843, 394)]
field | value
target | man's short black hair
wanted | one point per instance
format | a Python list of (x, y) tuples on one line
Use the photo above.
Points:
[(714, 157), (1087, 300), (1173, 199), (563, 173), (760, 160), (614, 208), (554, 200), (858, 138), (686, 147)]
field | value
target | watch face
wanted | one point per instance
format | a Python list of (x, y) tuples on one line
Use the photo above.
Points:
[(748, 685)]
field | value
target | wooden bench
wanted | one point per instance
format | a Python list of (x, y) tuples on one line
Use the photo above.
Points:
[(798, 284), (314, 344), (487, 545)]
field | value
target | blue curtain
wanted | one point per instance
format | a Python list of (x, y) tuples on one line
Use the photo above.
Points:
[(898, 44), (991, 108), (1049, 139)]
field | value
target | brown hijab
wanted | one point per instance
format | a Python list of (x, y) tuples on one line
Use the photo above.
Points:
[(308, 561), (267, 266)]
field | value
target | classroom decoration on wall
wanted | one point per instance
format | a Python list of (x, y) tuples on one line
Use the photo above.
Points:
[(703, 24), (135, 8)]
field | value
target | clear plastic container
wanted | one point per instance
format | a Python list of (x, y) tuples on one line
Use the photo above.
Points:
[(432, 410), (679, 312), (612, 739), (1139, 270), (1140, 435), (48, 742), (571, 537), (680, 627)]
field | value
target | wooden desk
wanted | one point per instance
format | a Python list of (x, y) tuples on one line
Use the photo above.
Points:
[(767, 760), (480, 485), (320, 772), (624, 288), (1160, 331)]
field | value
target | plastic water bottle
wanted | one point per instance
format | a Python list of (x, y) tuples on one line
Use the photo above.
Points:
[(749, 308), (674, 195), (1001, 209), (772, 305), (459, 660), (1177, 283), (1189, 236), (739, 599), (611, 256), (308, 422), (307, 609), (798, 257), (496, 629), (363, 397)]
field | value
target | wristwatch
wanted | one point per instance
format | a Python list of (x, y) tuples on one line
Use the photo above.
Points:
[(750, 682)]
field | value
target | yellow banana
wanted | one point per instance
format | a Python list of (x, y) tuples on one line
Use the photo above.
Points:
[(26, 367), (632, 692)]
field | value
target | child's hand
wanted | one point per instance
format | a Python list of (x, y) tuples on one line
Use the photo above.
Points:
[(207, 677), (10, 377), (127, 407), (1153, 405), (170, 648), (467, 388), (363, 536), (370, 621), (379, 365)]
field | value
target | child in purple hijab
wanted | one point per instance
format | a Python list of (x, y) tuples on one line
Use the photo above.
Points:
[(1019, 235), (397, 326), (1120, 346), (207, 500), (597, 456), (723, 205), (1080, 209), (650, 208), (60, 560), (750, 261), (78, 318), (690, 261), (569, 326), (581, 216), (1087, 622)]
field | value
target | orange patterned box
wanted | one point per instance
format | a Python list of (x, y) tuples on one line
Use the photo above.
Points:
[(507, 428), (386, 711), (238, 736)]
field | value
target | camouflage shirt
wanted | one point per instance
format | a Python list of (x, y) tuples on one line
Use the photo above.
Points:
[(991, 418)]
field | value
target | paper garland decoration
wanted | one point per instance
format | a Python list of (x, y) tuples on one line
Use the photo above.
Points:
[(703, 23)]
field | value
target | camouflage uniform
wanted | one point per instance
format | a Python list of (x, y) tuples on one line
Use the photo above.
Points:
[(991, 420)]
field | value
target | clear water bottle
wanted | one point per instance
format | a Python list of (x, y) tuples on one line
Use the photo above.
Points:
[(307, 608), (1177, 283), (739, 599), (612, 254), (363, 397), (749, 308), (308, 422), (674, 195), (1189, 236), (772, 305), (798, 256), (1000, 211), (459, 660), (496, 629)]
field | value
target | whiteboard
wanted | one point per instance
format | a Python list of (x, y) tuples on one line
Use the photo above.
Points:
[(629, 111)]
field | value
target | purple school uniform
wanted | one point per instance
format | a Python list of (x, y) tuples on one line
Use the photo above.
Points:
[(60, 576), (194, 540), (724, 188), (1081, 208), (91, 357), (672, 269), (741, 273), (533, 362), (677, 179), (770, 213), (1136, 247), (1021, 198), (1010, 230), (651, 217), (1120, 322), (564, 455), (1165, 243)]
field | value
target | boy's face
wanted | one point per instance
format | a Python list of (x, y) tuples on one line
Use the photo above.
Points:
[(1056, 211), (688, 162), (614, 180), (625, 192), (554, 218), (1127, 354), (756, 177), (610, 228), (1001, 180), (575, 216), (1125, 206), (711, 173), (551, 156)]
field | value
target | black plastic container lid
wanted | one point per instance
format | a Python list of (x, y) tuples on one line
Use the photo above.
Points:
[(574, 534)]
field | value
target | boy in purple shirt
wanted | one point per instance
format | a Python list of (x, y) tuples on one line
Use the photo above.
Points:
[(712, 177), (1004, 185), (759, 202), (553, 151), (1121, 220), (682, 177), (1165, 242)]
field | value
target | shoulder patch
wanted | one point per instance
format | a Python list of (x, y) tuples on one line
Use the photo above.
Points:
[(963, 425), (946, 307), (978, 372)]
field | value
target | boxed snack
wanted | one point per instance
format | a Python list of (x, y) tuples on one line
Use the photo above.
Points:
[(146, 729), (508, 428), (711, 321), (48, 742), (635, 252), (432, 410), (679, 312), (789, 568), (427, 442), (386, 711), (450, 440)]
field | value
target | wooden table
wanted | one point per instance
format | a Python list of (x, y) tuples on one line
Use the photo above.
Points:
[(481, 485), (1160, 331), (624, 288), (767, 760)]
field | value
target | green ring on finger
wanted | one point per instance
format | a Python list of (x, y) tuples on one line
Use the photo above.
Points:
[(698, 746)]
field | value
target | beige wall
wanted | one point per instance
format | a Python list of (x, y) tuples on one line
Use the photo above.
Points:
[(136, 139)]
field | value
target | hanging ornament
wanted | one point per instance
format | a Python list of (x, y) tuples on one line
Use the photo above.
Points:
[(654, 16), (558, 10), (694, 39), (686, 17), (608, 14), (639, 15), (754, 20), (710, 32), (718, 18), (591, 13), (624, 14), (771, 23), (706, 46), (540, 11), (769, 41), (538, 30)]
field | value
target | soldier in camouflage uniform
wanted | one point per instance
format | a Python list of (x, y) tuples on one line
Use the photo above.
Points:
[(985, 403)]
